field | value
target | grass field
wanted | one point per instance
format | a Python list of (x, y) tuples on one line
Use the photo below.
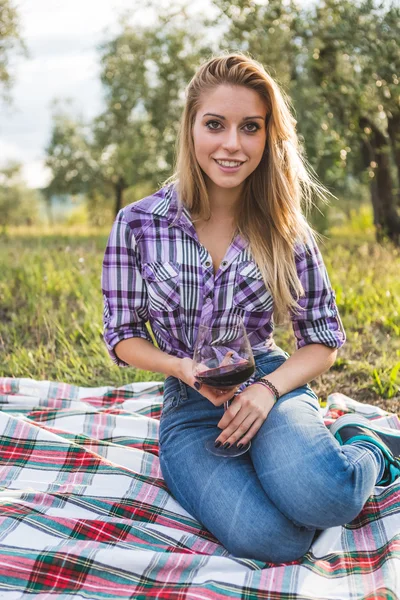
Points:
[(51, 308)]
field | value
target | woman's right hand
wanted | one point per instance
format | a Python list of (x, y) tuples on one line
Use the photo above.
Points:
[(217, 397)]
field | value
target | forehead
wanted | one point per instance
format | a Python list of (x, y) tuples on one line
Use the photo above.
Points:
[(232, 100)]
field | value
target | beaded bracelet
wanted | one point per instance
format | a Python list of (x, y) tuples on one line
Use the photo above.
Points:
[(270, 386)]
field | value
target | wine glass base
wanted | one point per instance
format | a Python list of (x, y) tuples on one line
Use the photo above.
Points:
[(230, 452)]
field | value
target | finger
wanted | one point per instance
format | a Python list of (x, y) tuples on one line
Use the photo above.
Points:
[(210, 394), (244, 433), (229, 415), (238, 427), (227, 360), (217, 393), (218, 397), (251, 432), (231, 412)]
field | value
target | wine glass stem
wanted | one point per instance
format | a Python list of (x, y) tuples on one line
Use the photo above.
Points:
[(227, 403)]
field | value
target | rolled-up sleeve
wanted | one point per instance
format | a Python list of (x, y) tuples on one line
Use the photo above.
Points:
[(318, 321), (124, 291)]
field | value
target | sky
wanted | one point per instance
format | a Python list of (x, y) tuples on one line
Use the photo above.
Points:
[(61, 37)]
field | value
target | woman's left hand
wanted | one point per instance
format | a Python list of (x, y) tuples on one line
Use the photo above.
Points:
[(245, 415)]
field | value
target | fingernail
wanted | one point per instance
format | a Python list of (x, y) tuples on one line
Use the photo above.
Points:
[(197, 385), (217, 444), (240, 446), (226, 445)]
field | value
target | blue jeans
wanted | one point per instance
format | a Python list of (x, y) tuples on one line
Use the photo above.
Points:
[(268, 503)]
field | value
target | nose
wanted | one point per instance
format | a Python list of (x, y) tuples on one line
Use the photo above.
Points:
[(231, 141)]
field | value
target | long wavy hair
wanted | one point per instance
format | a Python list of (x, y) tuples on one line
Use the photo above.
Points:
[(270, 213)]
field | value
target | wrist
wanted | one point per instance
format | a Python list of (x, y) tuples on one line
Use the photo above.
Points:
[(270, 387), (268, 393), (174, 367)]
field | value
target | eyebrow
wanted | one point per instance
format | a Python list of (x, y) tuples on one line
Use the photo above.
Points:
[(224, 118)]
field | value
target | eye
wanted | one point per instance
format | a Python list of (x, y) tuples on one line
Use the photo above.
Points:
[(255, 125), (209, 123), (214, 126)]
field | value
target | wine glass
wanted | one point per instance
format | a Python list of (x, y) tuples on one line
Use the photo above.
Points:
[(223, 359)]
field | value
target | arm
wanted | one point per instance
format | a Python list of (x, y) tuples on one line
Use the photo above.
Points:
[(305, 364), (319, 333), (142, 354), (126, 312), (317, 325), (124, 292)]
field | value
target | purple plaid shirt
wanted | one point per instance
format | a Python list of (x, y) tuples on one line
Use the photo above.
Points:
[(155, 269)]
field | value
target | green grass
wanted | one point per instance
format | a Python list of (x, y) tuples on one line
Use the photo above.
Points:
[(51, 309)]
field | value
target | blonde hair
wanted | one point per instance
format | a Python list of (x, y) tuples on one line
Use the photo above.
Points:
[(270, 215)]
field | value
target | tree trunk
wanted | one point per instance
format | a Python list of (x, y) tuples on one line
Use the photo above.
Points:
[(394, 134), (49, 210), (368, 155), (386, 219), (120, 186)]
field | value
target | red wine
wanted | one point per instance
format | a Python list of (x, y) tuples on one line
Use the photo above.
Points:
[(226, 377)]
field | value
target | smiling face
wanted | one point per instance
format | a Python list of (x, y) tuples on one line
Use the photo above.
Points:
[(229, 135)]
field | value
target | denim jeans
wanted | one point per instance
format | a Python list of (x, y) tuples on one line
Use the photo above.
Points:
[(268, 503)]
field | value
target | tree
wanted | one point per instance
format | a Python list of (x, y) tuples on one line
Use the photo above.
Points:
[(132, 143), (144, 72), (271, 32), (339, 61), (10, 40), (354, 61), (19, 205)]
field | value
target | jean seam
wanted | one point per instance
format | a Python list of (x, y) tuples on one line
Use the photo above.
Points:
[(176, 499)]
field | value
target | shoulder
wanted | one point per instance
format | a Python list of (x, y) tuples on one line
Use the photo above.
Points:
[(306, 249), (307, 238), (146, 209)]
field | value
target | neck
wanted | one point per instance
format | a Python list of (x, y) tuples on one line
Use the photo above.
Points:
[(223, 201)]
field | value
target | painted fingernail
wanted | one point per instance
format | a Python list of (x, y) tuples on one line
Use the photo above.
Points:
[(217, 444), (226, 445), (197, 385), (240, 446)]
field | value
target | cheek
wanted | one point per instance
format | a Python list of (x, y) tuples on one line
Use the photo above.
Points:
[(200, 143), (256, 149), (203, 149), (259, 144)]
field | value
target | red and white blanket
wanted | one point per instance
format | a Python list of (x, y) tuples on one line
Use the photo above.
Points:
[(85, 513)]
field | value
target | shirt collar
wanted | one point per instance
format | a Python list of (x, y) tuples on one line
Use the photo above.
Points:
[(169, 207)]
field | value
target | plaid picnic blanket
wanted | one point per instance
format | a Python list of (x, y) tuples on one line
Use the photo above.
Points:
[(85, 513)]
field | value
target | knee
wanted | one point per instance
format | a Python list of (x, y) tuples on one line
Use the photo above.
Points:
[(330, 507), (276, 550), (277, 542)]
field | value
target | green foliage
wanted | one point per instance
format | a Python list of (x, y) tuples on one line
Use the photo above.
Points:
[(51, 313), (386, 381), (19, 205), (132, 143), (70, 155), (10, 40), (337, 62), (50, 326)]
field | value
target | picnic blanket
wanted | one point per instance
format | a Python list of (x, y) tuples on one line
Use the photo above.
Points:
[(85, 513)]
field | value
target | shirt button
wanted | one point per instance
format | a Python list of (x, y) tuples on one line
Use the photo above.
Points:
[(224, 263), (208, 264)]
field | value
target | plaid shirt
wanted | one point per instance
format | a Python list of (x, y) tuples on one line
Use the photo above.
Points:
[(155, 269)]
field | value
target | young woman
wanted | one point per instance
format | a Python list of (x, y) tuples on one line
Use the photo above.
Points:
[(224, 237)]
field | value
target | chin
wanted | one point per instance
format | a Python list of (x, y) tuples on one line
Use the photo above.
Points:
[(224, 183)]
